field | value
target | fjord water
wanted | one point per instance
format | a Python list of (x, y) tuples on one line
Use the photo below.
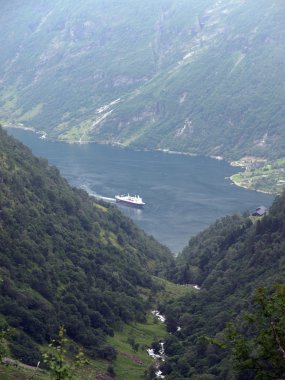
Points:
[(183, 194)]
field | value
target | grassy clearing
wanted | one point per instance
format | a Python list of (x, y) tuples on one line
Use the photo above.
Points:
[(102, 208), (17, 373), (131, 343), (171, 291), (131, 364)]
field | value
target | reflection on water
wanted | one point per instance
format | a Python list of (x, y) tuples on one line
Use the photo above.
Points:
[(183, 194), (131, 212)]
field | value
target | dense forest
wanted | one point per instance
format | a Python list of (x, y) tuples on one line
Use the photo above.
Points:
[(229, 261), (67, 259)]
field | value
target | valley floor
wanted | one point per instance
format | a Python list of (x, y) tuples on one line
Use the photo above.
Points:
[(131, 342)]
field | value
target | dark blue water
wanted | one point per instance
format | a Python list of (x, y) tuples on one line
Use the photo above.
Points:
[(183, 194)]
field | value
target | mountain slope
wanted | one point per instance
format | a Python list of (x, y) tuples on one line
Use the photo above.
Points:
[(229, 261), (65, 60), (224, 97), (200, 76), (66, 258)]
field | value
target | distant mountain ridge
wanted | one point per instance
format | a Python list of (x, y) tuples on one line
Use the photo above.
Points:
[(201, 77)]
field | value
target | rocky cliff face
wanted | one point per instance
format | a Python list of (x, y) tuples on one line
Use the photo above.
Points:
[(202, 77)]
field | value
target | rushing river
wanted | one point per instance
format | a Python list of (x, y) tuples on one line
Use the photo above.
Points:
[(183, 194)]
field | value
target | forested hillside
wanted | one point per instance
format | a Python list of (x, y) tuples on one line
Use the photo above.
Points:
[(66, 259), (201, 76), (229, 261)]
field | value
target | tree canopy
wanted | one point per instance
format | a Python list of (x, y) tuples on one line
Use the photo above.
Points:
[(66, 258)]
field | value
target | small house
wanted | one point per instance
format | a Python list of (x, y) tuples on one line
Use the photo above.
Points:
[(259, 211)]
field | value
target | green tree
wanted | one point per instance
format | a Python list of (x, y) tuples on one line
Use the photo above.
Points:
[(132, 342), (3, 345), (258, 344), (55, 359)]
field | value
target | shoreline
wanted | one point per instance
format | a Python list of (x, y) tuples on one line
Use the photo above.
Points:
[(238, 163), (248, 188), (44, 136)]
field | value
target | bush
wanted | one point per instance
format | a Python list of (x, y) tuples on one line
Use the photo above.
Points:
[(24, 349), (107, 353)]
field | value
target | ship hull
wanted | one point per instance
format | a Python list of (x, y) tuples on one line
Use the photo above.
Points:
[(129, 203)]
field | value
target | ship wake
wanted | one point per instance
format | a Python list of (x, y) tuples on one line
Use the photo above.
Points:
[(98, 196)]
